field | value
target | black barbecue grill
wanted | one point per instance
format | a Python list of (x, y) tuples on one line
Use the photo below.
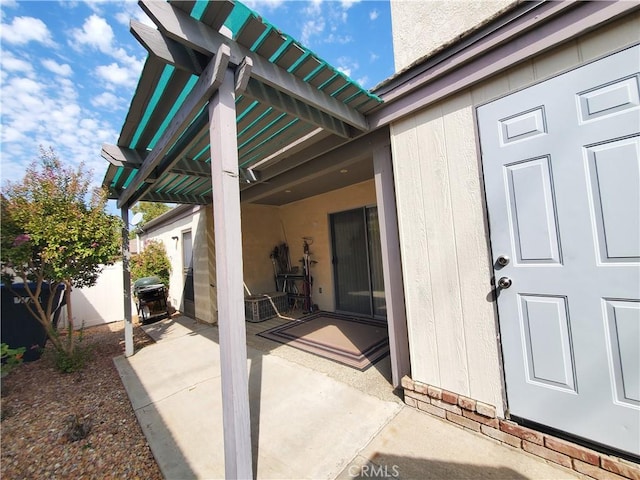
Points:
[(151, 296)]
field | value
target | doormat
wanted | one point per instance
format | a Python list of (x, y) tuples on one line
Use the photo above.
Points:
[(354, 342)]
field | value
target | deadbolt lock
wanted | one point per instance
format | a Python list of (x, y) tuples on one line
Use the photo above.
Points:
[(503, 260), (504, 282)]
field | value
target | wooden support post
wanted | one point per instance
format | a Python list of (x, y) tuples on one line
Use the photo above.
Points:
[(391, 266), (228, 237), (126, 282)]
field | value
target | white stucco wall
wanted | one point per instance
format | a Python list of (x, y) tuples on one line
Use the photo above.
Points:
[(264, 227), (202, 244), (421, 26), (441, 216), (310, 218)]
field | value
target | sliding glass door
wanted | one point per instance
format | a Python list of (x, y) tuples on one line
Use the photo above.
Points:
[(357, 262)]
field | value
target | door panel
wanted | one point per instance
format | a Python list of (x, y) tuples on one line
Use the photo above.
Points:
[(549, 352), (357, 262), (623, 331), (188, 293), (375, 264), (561, 164), (351, 271), (614, 174), (532, 212)]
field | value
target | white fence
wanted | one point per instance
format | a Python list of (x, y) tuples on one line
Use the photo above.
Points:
[(100, 304)]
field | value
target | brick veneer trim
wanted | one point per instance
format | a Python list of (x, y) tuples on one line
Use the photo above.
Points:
[(481, 417)]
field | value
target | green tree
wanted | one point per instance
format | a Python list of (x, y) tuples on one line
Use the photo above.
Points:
[(150, 210), (55, 231), (152, 262)]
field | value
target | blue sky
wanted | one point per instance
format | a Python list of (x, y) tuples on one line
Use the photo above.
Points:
[(69, 68)]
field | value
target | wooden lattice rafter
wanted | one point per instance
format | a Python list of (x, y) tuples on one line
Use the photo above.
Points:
[(195, 48)]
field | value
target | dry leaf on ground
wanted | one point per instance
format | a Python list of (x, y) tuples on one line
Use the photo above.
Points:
[(42, 408)]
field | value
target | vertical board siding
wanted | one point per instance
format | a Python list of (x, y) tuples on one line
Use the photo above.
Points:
[(559, 60), (201, 280), (442, 223), (211, 262), (618, 34), (415, 253), (472, 249), (441, 238), (521, 77)]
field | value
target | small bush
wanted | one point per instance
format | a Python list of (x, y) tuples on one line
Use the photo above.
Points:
[(74, 361), (68, 363), (77, 428), (11, 357), (152, 262)]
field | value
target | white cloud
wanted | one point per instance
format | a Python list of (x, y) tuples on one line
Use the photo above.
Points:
[(131, 10), (341, 39), (373, 57), (47, 112), (96, 33), (70, 4), (116, 75), (310, 29), (259, 5), (50, 101), (8, 4), (23, 30), (347, 66), (347, 4), (345, 70), (363, 81), (374, 14), (313, 8), (11, 63), (64, 70), (107, 101)]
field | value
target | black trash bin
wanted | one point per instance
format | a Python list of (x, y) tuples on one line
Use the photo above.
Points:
[(19, 328)]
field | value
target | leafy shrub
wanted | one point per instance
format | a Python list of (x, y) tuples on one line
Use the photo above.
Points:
[(68, 362), (11, 357), (152, 262), (77, 427), (55, 231)]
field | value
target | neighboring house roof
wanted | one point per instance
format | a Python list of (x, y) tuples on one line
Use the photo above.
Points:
[(515, 35), (168, 217), (290, 95)]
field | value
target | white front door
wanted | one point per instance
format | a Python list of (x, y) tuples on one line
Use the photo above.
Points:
[(561, 163)]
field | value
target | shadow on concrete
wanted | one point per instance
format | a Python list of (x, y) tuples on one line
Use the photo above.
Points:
[(302, 421), (399, 467), (177, 461)]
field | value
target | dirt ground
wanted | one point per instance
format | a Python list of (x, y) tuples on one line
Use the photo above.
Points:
[(44, 412)]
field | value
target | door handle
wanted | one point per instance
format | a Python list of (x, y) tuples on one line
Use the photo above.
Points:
[(504, 282), (503, 260)]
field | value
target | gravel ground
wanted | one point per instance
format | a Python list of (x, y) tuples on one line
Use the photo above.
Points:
[(38, 403)]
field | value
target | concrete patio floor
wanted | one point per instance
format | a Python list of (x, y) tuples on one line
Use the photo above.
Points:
[(305, 424)]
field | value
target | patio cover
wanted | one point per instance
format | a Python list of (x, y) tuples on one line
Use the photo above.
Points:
[(207, 111), (285, 95)]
